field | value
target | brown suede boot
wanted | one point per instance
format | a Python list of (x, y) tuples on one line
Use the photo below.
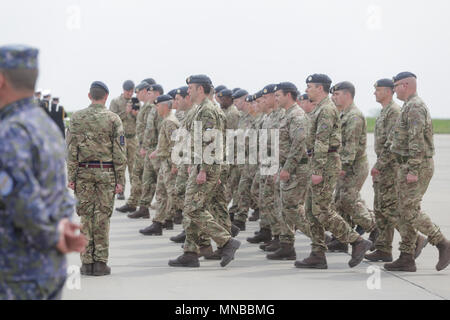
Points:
[(216, 255), (404, 263), (360, 247), (101, 269), (263, 236), (126, 208), (336, 246), (286, 252), (421, 243), (444, 254), (378, 255), (87, 269), (316, 260), (274, 246), (254, 216), (187, 259), (205, 251), (143, 213)]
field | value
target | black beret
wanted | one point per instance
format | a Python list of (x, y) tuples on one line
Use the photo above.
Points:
[(150, 81), (128, 85), (404, 75), (156, 87), (225, 93), (319, 78), (270, 88), (249, 98), (239, 94), (384, 83), (183, 91), (258, 95), (219, 88), (141, 86), (286, 86), (345, 85), (304, 97), (163, 98), (235, 90), (99, 85), (199, 79), (173, 93)]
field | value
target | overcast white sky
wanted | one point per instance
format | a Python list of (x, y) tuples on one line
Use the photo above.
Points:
[(238, 43)]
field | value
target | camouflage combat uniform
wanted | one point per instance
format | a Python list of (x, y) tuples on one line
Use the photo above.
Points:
[(33, 199), (96, 136)]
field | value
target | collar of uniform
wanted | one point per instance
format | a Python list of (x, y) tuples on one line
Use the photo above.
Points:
[(288, 110), (411, 97), (350, 107), (16, 105), (386, 109), (122, 97), (324, 101), (97, 106)]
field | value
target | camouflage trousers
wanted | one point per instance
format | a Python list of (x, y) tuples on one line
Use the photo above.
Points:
[(348, 199), (95, 194), (165, 193), (180, 186), (231, 187), (246, 201), (412, 218), (293, 193), (32, 290), (271, 204), (200, 220), (149, 180), (385, 206), (131, 145), (319, 211), (256, 194), (136, 181)]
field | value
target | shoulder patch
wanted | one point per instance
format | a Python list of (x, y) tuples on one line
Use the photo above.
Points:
[(122, 141), (6, 184)]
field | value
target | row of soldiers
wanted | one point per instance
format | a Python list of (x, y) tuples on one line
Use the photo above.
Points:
[(51, 106), (322, 168)]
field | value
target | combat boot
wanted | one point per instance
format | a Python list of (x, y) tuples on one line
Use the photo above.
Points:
[(373, 236), (126, 208), (205, 251), (187, 259), (178, 217), (421, 243), (228, 251), (404, 263), (337, 246), (168, 225), (444, 254), (101, 269), (234, 231), (263, 236), (143, 213), (180, 238), (121, 196), (216, 255), (379, 255), (87, 269), (286, 252), (156, 229), (239, 224), (316, 260), (268, 243), (254, 216), (359, 249), (274, 246)]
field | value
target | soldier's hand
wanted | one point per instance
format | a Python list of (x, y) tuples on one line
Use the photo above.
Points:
[(71, 185), (142, 152), (342, 174), (284, 175), (69, 239), (316, 179), (134, 112), (129, 108), (201, 177), (119, 188), (174, 170), (410, 178), (153, 155)]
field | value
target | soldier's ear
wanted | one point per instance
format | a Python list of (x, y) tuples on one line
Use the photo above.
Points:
[(89, 96)]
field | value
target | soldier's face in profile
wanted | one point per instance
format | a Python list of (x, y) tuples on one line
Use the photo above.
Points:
[(400, 90), (279, 99), (192, 91), (312, 90), (153, 95), (382, 93)]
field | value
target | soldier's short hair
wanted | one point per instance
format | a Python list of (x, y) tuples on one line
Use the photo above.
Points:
[(206, 88), (326, 87), (97, 93), (21, 79)]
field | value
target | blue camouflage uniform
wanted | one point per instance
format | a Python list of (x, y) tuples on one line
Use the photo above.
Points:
[(33, 194)]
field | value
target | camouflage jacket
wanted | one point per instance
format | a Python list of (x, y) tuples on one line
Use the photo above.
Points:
[(152, 128), (96, 134), (165, 142), (293, 131), (324, 134), (383, 127), (33, 190), (141, 121), (354, 136), (412, 136), (119, 107), (179, 114), (232, 114)]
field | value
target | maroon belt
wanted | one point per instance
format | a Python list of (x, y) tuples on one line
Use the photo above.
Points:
[(96, 165)]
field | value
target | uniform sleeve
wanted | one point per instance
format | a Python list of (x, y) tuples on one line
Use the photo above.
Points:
[(119, 156), (297, 132), (140, 125), (325, 127), (150, 135), (115, 107), (209, 122), (72, 151), (350, 138), (389, 124), (416, 138), (30, 214)]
